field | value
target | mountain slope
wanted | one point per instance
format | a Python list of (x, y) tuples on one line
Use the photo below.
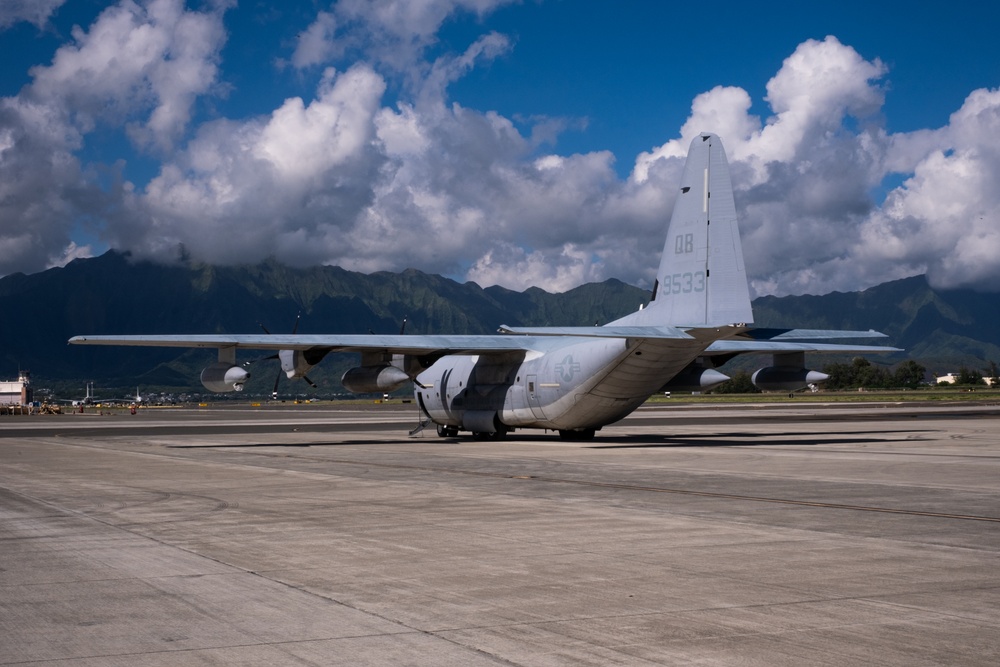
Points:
[(111, 294), (940, 329)]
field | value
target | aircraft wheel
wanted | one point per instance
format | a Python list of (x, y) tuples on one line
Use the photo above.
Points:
[(489, 435), (445, 431)]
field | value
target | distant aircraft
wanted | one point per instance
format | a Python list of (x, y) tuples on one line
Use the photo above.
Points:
[(574, 380), (88, 399)]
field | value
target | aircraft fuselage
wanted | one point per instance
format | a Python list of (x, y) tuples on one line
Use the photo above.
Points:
[(576, 385)]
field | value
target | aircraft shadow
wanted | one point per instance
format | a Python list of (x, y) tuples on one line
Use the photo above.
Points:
[(749, 439), (286, 445), (731, 439)]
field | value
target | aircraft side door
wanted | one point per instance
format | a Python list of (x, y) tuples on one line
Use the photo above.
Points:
[(531, 390)]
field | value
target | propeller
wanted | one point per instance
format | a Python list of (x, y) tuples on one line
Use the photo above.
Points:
[(402, 331), (277, 379)]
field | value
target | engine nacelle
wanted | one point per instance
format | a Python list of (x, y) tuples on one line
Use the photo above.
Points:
[(695, 379), (373, 379), (221, 377), (296, 363), (786, 378)]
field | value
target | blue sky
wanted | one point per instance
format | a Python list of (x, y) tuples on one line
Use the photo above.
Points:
[(514, 143)]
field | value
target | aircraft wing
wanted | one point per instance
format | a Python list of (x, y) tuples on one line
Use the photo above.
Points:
[(721, 347), (512, 339), (397, 344)]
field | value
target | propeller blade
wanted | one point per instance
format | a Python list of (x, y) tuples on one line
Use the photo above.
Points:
[(274, 391)]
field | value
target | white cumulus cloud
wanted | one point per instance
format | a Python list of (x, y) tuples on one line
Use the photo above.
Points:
[(392, 33), (138, 65), (353, 175), (944, 220), (287, 185), (32, 11), (141, 63)]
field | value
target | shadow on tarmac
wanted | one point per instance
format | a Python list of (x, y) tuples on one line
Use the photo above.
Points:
[(734, 439), (743, 439)]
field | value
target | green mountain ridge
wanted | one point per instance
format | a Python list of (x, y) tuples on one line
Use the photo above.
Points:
[(940, 329), (111, 294)]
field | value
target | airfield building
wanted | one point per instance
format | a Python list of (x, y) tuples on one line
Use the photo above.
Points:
[(16, 392), (952, 378)]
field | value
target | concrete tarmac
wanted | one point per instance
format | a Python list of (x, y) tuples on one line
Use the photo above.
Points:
[(788, 534)]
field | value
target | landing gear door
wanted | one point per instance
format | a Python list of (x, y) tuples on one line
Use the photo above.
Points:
[(531, 389)]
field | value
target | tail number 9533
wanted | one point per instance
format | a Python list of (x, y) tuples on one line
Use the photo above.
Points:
[(684, 283)]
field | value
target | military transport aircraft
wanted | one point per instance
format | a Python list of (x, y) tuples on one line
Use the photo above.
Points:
[(88, 398), (573, 380)]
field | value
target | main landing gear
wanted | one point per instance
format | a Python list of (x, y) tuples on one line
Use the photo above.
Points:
[(452, 432), (447, 431), (579, 435), (500, 434)]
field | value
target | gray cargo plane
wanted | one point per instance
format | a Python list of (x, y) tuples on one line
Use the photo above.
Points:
[(573, 380)]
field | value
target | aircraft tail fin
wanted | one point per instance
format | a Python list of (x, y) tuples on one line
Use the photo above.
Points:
[(701, 281)]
